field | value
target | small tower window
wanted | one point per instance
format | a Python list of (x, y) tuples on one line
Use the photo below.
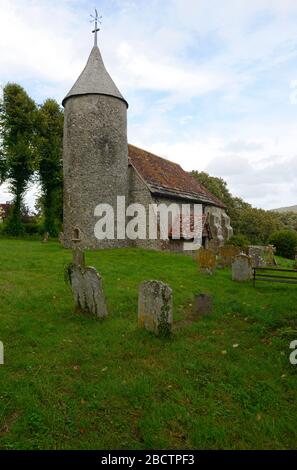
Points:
[(76, 234)]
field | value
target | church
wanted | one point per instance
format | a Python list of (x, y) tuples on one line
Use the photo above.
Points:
[(99, 166)]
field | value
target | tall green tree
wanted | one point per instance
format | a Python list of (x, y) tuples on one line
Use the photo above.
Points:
[(218, 187), (3, 167), (50, 147), (17, 155), (257, 224)]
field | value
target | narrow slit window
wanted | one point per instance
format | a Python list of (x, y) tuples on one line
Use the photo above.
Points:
[(76, 234)]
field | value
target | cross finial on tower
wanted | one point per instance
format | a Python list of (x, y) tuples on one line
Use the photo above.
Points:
[(96, 19)]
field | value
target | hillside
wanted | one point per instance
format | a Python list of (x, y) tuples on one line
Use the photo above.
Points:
[(286, 209)]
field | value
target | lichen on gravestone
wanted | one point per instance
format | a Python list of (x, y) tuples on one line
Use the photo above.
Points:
[(155, 308), (270, 256), (242, 268), (257, 254), (206, 261), (227, 255), (87, 286)]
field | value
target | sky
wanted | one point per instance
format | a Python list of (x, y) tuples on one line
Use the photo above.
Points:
[(211, 84)]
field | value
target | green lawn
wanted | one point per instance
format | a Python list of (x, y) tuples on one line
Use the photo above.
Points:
[(70, 382)]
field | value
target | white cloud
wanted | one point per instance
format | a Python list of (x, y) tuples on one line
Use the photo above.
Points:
[(208, 82), (156, 74)]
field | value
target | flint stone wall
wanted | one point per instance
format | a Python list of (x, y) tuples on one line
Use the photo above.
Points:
[(95, 163)]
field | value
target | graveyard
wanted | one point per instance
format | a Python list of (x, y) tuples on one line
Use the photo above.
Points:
[(71, 381)]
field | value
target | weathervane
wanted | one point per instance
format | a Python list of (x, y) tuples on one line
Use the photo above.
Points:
[(96, 19)]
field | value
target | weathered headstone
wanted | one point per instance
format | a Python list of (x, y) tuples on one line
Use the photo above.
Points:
[(242, 268), (155, 307), (270, 258), (206, 260), (45, 237), (227, 255), (257, 254), (203, 305), (61, 238), (86, 285)]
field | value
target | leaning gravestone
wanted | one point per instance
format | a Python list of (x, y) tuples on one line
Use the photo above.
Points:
[(203, 305), (206, 260), (242, 268), (155, 307), (86, 285)]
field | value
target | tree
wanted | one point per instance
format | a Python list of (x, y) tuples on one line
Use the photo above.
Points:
[(238, 240), (17, 156), (50, 147), (256, 225), (3, 167), (288, 219), (217, 186), (285, 242)]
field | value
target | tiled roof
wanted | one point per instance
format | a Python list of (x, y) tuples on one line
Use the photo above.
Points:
[(166, 178)]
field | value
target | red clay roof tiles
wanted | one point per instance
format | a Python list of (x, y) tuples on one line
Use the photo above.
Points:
[(168, 177)]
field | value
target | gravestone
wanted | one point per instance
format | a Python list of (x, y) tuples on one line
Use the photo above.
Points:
[(270, 258), (203, 305), (45, 237), (206, 261), (61, 238), (87, 286), (242, 268), (257, 253), (227, 255), (155, 307)]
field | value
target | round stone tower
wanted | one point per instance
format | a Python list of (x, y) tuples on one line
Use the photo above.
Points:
[(95, 153)]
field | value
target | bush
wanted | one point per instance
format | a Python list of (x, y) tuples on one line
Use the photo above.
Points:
[(285, 242), (238, 240), (31, 228), (13, 227)]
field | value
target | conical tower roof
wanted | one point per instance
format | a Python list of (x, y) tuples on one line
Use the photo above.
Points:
[(95, 80)]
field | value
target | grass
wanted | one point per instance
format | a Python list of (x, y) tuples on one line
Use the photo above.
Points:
[(70, 382)]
